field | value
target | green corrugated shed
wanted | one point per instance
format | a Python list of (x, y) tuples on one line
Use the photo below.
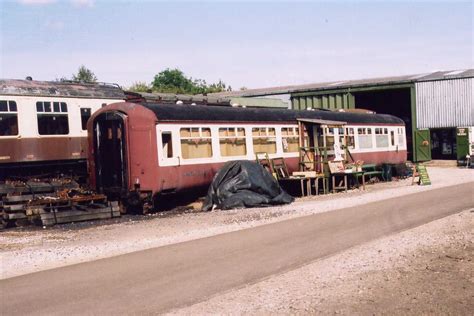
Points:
[(331, 101)]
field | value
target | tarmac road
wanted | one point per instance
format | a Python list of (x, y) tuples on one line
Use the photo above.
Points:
[(159, 279)]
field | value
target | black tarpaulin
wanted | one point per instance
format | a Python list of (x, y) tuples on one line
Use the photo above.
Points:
[(242, 183)]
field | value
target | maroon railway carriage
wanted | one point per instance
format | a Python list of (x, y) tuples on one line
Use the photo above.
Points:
[(138, 151)]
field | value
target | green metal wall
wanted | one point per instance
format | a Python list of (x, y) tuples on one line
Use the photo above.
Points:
[(333, 101)]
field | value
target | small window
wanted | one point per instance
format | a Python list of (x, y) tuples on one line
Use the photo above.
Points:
[(12, 105), (8, 118), (401, 137), (364, 137), (196, 142), (51, 119), (167, 144), (85, 115), (329, 139), (47, 106), (232, 142), (264, 140), (349, 143), (381, 137), (290, 139), (53, 125), (3, 106)]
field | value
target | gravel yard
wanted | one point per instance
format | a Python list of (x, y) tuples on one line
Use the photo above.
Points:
[(26, 250)]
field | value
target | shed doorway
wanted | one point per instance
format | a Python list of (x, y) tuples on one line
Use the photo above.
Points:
[(395, 102), (443, 143)]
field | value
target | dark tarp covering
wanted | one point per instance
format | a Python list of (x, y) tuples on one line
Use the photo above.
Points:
[(242, 183)]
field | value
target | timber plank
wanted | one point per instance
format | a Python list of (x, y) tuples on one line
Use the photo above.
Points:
[(79, 218)]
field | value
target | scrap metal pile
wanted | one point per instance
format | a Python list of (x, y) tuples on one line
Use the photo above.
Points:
[(51, 202)]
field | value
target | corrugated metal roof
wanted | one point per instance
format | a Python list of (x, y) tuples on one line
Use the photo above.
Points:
[(60, 88), (438, 75)]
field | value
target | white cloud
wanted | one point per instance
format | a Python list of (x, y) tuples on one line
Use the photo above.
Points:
[(83, 3), (36, 2)]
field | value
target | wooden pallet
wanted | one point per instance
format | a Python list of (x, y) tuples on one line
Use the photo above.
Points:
[(55, 208), (92, 212)]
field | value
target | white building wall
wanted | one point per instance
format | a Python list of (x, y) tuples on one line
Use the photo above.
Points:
[(445, 103)]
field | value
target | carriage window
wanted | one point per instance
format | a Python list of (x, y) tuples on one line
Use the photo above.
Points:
[(349, 143), (329, 138), (47, 106), (381, 137), (392, 138), (3, 106), (401, 137), (364, 135), (341, 136), (232, 142), (196, 142), (290, 139), (85, 115), (52, 118), (167, 144), (264, 140), (8, 118)]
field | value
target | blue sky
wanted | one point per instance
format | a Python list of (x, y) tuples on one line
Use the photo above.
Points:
[(246, 43)]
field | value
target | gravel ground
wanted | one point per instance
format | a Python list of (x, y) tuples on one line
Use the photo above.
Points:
[(426, 270), (27, 250)]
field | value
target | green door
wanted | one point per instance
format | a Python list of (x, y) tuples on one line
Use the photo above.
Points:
[(462, 143), (422, 145)]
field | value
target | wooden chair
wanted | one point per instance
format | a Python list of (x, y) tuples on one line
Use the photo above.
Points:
[(279, 168), (263, 159)]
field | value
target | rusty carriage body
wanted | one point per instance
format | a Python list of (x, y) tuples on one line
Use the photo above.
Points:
[(138, 152)]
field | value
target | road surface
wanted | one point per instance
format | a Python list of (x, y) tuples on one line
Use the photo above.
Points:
[(159, 279)]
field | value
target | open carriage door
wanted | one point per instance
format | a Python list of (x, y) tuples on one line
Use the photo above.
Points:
[(110, 153)]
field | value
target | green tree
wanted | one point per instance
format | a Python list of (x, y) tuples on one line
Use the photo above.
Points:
[(140, 86), (172, 81), (84, 75), (175, 81)]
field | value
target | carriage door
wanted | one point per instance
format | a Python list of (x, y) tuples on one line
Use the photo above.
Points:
[(111, 163), (168, 158)]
